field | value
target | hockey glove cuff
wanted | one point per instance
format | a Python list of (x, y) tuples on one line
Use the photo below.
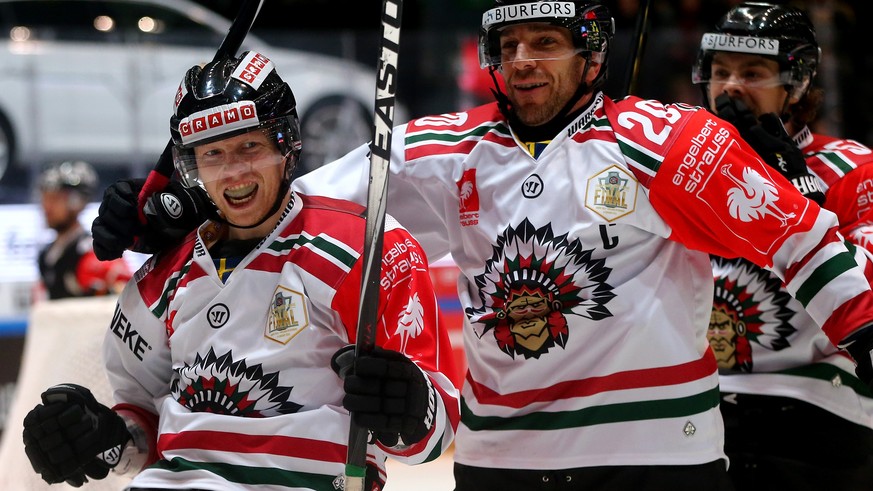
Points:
[(117, 224), (386, 393), (173, 213), (71, 437)]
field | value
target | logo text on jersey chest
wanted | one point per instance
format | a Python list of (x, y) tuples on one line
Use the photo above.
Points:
[(123, 330), (288, 315), (612, 193)]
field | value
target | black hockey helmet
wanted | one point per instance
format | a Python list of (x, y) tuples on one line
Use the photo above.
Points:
[(779, 32), (590, 24), (72, 175), (228, 97)]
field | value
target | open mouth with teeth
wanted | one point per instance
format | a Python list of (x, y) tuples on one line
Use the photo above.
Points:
[(240, 194), (525, 87)]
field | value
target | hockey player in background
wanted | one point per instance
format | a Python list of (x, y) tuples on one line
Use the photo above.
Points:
[(224, 351), (582, 227), (68, 266), (796, 415)]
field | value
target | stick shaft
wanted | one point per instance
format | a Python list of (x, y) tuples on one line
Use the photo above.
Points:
[(638, 48), (377, 191)]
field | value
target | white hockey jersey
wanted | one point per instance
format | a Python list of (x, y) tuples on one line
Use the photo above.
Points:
[(586, 279), (764, 341), (240, 373)]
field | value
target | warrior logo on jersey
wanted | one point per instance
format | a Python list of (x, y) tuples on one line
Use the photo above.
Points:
[(288, 315), (612, 193), (750, 307), (218, 384), (531, 283)]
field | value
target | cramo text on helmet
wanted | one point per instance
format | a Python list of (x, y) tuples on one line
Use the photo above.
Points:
[(740, 44), (524, 11)]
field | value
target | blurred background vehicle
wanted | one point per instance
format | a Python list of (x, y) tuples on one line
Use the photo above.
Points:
[(95, 79)]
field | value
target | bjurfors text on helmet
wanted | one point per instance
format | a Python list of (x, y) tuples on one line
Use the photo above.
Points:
[(740, 44), (528, 11)]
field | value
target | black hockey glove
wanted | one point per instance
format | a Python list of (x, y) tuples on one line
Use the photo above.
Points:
[(170, 215), (71, 437), (173, 213), (387, 394), (767, 136), (117, 224), (860, 347)]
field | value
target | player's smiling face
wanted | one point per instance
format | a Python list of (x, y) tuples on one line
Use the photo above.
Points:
[(242, 175), (542, 70)]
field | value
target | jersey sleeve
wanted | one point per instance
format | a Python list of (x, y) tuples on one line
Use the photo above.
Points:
[(348, 177), (851, 199), (719, 197), (410, 323), (101, 277), (136, 351)]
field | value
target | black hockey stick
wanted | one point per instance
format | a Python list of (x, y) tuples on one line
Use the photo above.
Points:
[(380, 157), (637, 49), (236, 33)]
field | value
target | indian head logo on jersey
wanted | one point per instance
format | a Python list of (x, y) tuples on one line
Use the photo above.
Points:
[(749, 309), (531, 283), (219, 384), (468, 199)]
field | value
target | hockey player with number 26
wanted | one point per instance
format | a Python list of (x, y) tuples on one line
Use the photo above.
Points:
[(581, 226)]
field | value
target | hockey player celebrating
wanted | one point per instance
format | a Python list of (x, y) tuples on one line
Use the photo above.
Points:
[(224, 350), (582, 227), (796, 416)]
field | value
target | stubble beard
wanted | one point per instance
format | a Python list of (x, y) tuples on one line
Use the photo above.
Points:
[(535, 114)]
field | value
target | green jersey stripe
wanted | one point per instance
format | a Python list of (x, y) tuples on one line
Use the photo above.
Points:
[(596, 415), (828, 372), (334, 251), (251, 475), (647, 163), (477, 132), (823, 274), (836, 160), (164, 301)]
